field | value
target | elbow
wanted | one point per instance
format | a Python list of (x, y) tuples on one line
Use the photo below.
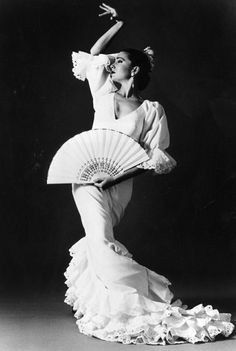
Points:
[(92, 51), (95, 50)]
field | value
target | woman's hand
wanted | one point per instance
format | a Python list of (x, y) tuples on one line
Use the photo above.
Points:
[(108, 11), (104, 182), (102, 42)]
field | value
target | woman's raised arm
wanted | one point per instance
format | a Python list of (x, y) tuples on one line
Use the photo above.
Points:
[(102, 42)]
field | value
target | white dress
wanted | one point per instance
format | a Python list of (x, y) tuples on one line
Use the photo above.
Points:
[(114, 297)]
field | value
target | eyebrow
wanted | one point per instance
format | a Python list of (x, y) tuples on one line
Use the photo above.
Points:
[(119, 57)]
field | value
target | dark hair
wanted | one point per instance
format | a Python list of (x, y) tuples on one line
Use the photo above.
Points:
[(139, 58)]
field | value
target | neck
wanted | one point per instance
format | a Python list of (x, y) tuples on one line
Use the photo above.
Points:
[(127, 91)]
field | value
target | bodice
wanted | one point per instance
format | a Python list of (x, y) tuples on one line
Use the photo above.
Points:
[(130, 124), (147, 124)]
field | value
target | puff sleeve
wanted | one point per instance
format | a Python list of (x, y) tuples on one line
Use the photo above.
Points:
[(93, 68), (155, 139)]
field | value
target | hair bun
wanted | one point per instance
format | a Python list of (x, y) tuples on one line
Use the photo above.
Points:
[(150, 55)]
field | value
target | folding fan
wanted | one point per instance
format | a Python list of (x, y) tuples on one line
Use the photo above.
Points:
[(94, 153)]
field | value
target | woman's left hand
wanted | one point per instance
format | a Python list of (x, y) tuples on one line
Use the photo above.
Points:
[(108, 10), (104, 182)]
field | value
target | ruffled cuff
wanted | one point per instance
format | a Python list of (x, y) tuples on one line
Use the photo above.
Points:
[(82, 61), (161, 162)]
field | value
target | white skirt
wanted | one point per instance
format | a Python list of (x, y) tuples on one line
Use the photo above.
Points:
[(117, 299)]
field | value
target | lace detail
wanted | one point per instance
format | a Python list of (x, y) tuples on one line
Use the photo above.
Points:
[(161, 162), (175, 326), (133, 318), (82, 61)]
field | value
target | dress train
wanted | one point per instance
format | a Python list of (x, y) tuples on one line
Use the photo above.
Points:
[(117, 299)]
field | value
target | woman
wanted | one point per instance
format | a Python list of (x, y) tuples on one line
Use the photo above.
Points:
[(115, 298)]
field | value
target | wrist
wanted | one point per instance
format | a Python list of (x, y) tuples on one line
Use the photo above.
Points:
[(117, 19)]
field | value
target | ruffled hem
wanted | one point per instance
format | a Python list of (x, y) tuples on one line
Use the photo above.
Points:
[(131, 318), (173, 325), (82, 282)]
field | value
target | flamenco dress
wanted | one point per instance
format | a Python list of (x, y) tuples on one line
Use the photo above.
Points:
[(115, 298)]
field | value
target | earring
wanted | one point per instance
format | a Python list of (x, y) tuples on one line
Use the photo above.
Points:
[(132, 80)]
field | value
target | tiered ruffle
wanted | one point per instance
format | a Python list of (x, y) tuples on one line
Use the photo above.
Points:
[(132, 318)]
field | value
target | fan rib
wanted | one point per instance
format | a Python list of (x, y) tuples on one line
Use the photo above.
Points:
[(94, 153)]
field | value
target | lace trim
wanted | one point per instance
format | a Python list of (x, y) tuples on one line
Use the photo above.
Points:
[(160, 161), (169, 324), (173, 328), (173, 324), (78, 270), (159, 168), (82, 61)]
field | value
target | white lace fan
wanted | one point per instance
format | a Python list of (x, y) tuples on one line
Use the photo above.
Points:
[(94, 153)]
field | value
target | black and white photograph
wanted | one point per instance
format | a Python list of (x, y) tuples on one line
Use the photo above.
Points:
[(118, 177)]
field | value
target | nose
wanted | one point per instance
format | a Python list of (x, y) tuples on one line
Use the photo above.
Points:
[(112, 67), (109, 68)]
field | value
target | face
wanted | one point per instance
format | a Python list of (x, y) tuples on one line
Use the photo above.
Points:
[(121, 69)]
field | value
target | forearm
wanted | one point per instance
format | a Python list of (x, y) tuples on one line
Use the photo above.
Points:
[(102, 42), (106, 182), (132, 172)]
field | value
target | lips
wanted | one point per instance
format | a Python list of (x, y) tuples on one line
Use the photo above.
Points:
[(110, 70), (112, 74)]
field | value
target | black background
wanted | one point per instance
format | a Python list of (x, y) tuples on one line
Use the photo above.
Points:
[(183, 224)]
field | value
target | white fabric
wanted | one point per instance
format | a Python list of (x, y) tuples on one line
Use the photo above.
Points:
[(147, 124), (114, 297)]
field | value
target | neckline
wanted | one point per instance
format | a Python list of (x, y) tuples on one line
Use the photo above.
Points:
[(113, 108)]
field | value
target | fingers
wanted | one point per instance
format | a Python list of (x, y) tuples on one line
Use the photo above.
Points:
[(103, 14), (98, 180), (98, 186), (107, 7), (108, 10), (103, 8)]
